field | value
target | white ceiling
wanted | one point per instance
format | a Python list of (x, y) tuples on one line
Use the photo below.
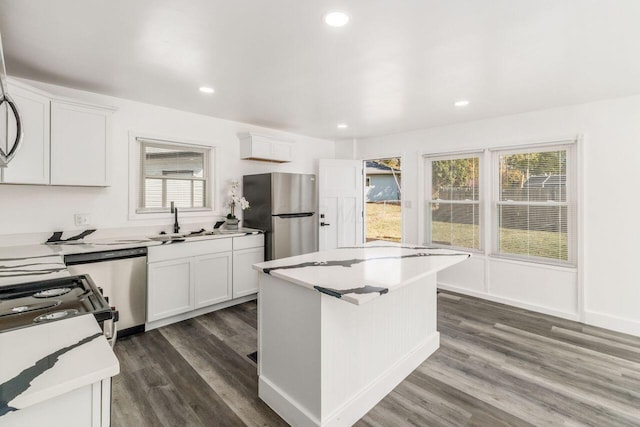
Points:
[(398, 65)]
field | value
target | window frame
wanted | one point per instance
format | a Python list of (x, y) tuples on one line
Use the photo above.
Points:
[(570, 203), (209, 172), (428, 160)]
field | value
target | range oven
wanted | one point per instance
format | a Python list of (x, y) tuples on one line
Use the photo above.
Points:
[(29, 304)]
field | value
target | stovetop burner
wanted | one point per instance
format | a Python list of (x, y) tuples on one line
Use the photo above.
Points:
[(55, 315), (48, 293), (19, 309), (29, 304)]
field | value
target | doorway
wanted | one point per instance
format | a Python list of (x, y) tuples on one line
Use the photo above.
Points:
[(383, 199)]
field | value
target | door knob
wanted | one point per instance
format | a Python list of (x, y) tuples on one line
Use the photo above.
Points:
[(324, 224)]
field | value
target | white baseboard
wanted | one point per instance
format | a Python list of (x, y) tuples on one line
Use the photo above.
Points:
[(356, 407), (198, 312), (284, 405), (614, 323), (508, 301)]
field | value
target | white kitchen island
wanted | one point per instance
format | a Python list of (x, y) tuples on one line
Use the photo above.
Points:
[(339, 329)]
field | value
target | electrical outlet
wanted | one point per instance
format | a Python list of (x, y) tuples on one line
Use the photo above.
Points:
[(82, 219)]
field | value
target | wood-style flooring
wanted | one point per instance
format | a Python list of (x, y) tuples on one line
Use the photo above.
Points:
[(497, 365)]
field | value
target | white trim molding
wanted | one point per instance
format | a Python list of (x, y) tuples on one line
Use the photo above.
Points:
[(614, 323), (134, 176), (496, 278)]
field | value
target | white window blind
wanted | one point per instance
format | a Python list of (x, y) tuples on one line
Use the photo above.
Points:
[(172, 172), (535, 205), (453, 201)]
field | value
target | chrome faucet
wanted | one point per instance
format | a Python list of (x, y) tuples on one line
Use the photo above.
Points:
[(174, 210)]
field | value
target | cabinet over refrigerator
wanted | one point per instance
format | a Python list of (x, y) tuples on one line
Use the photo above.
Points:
[(285, 206)]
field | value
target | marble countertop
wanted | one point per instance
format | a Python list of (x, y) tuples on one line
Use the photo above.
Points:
[(15, 269), (46, 360), (42, 362), (27, 263), (361, 273)]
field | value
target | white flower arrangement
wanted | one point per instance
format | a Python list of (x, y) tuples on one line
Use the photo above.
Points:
[(236, 199)]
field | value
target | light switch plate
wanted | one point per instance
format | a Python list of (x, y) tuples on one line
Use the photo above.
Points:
[(82, 219)]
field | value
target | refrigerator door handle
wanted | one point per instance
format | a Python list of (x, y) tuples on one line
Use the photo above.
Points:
[(296, 215)]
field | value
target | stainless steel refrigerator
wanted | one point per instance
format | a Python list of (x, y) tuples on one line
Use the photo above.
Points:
[(285, 205)]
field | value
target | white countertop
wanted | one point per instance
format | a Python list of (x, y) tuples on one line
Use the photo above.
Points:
[(45, 361), (21, 269), (28, 263), (361, 273)]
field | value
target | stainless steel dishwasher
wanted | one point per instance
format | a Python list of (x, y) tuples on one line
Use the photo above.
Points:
[(122, 274)]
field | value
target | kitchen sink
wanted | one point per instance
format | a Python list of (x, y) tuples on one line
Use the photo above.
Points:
[(180, 236), (166, 238)]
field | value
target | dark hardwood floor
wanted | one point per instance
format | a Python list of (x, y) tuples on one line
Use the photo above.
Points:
[(497, 365)]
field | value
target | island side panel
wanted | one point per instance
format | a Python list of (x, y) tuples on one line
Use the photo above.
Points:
[(289, 350), (368, 349)]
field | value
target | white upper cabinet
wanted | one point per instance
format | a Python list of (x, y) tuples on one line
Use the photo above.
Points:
[(31, 163), (266, 148), (80, 148), (65, 142)]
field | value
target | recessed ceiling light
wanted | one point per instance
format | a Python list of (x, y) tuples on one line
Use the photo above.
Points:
[(342, 126), (206, 89), (336, 18), (461, 103)]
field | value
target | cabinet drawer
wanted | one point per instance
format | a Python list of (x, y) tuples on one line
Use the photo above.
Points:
[(246, 242), (188, 249)]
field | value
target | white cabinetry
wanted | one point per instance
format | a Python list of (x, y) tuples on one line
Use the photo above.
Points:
[(185, 276), (247, 251), (65, 142), (88, 406), (170, 289), (267, 148), (31, 163), (79, 144), (195, 277), (212, 279)]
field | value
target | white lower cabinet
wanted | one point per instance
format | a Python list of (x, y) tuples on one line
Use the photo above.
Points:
[(191, 276), (245, 278), (213, 276), (170, 288), (88, 406)]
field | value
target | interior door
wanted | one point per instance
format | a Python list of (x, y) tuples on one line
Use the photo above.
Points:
[(340, 203)]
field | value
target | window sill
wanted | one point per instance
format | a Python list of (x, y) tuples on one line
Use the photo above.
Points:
[(455, 248), (533, 263)]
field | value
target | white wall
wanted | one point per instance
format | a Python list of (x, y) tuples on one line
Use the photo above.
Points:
[(28, 209), (611, 229)]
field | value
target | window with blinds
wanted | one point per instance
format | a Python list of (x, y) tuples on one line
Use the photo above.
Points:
[(453, 199), (171, 172), (534, 205)]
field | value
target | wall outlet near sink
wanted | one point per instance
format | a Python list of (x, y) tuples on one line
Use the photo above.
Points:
[(82, 219)]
